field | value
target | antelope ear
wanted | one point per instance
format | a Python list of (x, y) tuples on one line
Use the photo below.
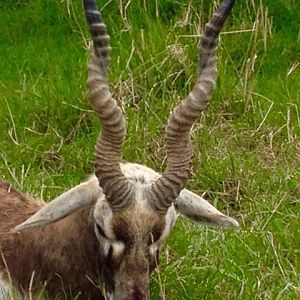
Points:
[(199, 210), (81, 195)]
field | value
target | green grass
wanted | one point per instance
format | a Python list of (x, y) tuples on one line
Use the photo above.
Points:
[(246, 147)]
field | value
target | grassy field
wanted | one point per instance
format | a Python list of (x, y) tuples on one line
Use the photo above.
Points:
[(246, 146)]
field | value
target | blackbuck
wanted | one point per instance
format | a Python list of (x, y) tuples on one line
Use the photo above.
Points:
[(101, 239)]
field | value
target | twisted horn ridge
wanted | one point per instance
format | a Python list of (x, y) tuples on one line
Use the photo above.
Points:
[(117, 188), (166, 189)]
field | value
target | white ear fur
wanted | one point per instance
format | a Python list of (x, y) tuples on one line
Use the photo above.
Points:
[(188, 204), (81, 195), (199, 210)]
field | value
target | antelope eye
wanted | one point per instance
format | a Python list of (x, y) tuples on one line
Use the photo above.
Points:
[(100, 231)]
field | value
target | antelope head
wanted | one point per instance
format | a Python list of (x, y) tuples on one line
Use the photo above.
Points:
[(134, 208)]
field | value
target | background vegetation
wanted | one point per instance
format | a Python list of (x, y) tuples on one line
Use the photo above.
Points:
[(247, 146)]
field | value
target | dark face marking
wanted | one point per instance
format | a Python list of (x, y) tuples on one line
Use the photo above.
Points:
[(130, 239), (140, 233)]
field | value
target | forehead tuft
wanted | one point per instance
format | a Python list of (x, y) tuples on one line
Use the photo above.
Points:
[(132, 224)]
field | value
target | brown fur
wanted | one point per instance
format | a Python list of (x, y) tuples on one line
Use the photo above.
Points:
[(139, 233), (67, 261), (66, 255), (137, 228)]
